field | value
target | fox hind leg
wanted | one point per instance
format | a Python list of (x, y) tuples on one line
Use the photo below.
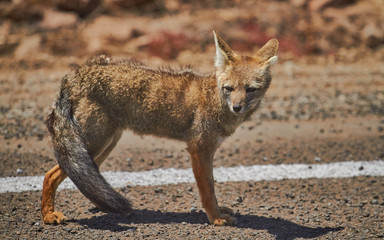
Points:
[(100, 158), (56, 175), (52, 180)]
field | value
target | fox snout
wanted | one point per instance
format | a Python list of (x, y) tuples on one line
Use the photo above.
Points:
[(243, 108), (237, 108), (236, 99)]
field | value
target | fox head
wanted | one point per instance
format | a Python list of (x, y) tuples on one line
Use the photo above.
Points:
[(243, 80)]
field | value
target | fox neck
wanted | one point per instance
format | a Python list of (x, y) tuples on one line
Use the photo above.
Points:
[(229, 122)]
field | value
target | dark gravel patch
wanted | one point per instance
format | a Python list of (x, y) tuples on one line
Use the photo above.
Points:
[(324, 105), (15, 163)]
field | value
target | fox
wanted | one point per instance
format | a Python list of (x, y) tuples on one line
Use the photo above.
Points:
[(100, 99)]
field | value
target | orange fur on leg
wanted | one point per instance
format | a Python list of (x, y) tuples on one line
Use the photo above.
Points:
[(51, 181)]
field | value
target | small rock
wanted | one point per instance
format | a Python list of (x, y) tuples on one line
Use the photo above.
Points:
[(361, 168), (237, 150), (374, 201), (55, 19), (269, 208)]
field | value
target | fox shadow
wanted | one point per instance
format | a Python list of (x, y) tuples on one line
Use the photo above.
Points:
[(280, 228)]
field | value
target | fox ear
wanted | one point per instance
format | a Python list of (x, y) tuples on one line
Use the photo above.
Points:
[(268, 53), (272, 61), (224, 53)]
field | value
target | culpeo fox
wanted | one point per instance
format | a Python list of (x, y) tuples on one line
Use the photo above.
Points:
[(102, 98)]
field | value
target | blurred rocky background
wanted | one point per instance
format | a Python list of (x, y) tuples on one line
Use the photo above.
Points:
[(177, 30)]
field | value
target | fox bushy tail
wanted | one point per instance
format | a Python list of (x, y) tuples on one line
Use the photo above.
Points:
[(74, 158)]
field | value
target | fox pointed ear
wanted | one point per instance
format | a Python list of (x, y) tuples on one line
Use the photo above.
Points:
[(224, 53), (268, 53)]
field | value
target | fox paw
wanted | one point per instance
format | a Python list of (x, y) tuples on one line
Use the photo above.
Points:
[(225, 220), (226, 210), (54, 218)]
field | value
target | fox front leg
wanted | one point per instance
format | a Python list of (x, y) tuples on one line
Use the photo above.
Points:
[(202, 165)]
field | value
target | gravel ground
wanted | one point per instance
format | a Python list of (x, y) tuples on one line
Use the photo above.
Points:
[(297, 124)]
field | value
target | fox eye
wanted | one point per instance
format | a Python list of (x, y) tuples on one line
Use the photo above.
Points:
[(228, 88), (251, 89)]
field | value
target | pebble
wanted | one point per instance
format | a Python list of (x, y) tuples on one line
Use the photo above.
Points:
[(237, 150), (374, 202), (159, 190), (193, 209)]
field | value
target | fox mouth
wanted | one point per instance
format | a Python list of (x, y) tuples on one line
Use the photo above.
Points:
[(238, 114)]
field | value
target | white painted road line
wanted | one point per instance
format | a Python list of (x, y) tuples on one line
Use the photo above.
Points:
[(222, 174)]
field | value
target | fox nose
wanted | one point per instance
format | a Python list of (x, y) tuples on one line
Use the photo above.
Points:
[(237, 108)]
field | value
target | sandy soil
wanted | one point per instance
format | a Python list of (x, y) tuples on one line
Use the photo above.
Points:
[(319, 109)]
